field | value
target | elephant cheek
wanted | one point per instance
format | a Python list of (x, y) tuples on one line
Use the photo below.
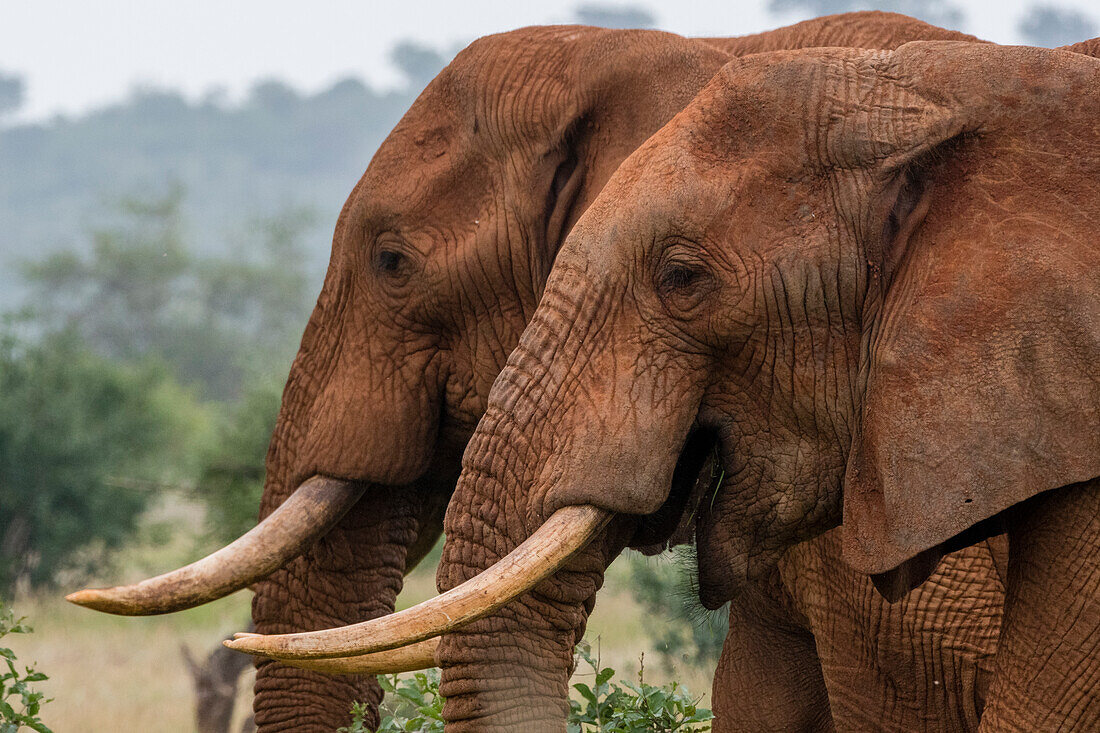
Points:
[(384, 437)]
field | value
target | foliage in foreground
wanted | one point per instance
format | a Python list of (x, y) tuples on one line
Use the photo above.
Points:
[(414, 704), (633, 708), (15, 687)]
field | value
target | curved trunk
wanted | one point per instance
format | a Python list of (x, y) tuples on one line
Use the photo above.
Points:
[(353, 574), (510, 670)]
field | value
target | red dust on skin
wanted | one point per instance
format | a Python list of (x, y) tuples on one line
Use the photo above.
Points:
[(926, 337), (386, 384)]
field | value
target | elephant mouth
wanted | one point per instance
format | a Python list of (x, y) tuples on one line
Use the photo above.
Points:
[(699, 471), (695, 480), (697, 475)]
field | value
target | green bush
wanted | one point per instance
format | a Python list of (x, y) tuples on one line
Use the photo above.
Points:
[(633, 708), (83, 441), (414, 704), (231, 479), (15, 685)]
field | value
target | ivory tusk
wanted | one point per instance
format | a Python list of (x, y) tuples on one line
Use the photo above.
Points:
[(306, 515), (411, 658), (539, 556)]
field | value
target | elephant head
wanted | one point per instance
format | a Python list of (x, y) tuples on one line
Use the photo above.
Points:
[(439, 259), (844, 269)]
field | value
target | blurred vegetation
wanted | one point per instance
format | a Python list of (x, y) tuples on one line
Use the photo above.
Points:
[(141, 291), (12, 93), (279, 148), (691, 636), (1052, 25), (141, 367), (232, 477), (83, 443), (20, 704)]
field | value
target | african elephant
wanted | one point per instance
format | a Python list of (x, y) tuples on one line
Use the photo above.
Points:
[(439, 259), (877, 303)]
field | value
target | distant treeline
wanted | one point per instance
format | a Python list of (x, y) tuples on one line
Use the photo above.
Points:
[(278, 149)]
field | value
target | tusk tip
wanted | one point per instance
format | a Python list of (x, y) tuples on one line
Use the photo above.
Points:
[(245, 645), (97, 599), (81, 597), (245, 635)]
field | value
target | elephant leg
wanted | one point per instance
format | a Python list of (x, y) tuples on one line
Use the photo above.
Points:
[(1047, 674), (352, 574), (769, 676)]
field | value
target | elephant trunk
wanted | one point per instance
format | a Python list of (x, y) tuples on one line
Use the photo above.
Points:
[(575, 439), (353, 573), (510, 670)]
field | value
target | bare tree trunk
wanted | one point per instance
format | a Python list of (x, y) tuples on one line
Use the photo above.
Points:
[(14, 548), (215, 681)]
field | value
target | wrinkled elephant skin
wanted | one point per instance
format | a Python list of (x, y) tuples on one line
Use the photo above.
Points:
[(860, 270)]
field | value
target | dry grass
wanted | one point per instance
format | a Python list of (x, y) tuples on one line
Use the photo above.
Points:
[(115, 675)]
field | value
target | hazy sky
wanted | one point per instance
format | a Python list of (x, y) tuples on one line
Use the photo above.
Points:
[(75, 55)]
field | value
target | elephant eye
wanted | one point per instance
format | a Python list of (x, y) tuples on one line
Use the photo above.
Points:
[(682, 279), (389, 261), (678, 277)]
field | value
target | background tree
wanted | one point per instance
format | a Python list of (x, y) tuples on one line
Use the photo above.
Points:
[(419, 63), (232, 476), (82, 442), (1051, 26), (142, 291), (12, 93), (614, 16), (938, 12)]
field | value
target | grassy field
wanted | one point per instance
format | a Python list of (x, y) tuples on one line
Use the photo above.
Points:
[(110, 674)]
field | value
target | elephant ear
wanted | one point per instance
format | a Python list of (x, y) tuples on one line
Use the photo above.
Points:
[(982, 323)]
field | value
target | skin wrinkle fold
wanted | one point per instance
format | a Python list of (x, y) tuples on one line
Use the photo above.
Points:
[(427, 182), (855, 288)]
